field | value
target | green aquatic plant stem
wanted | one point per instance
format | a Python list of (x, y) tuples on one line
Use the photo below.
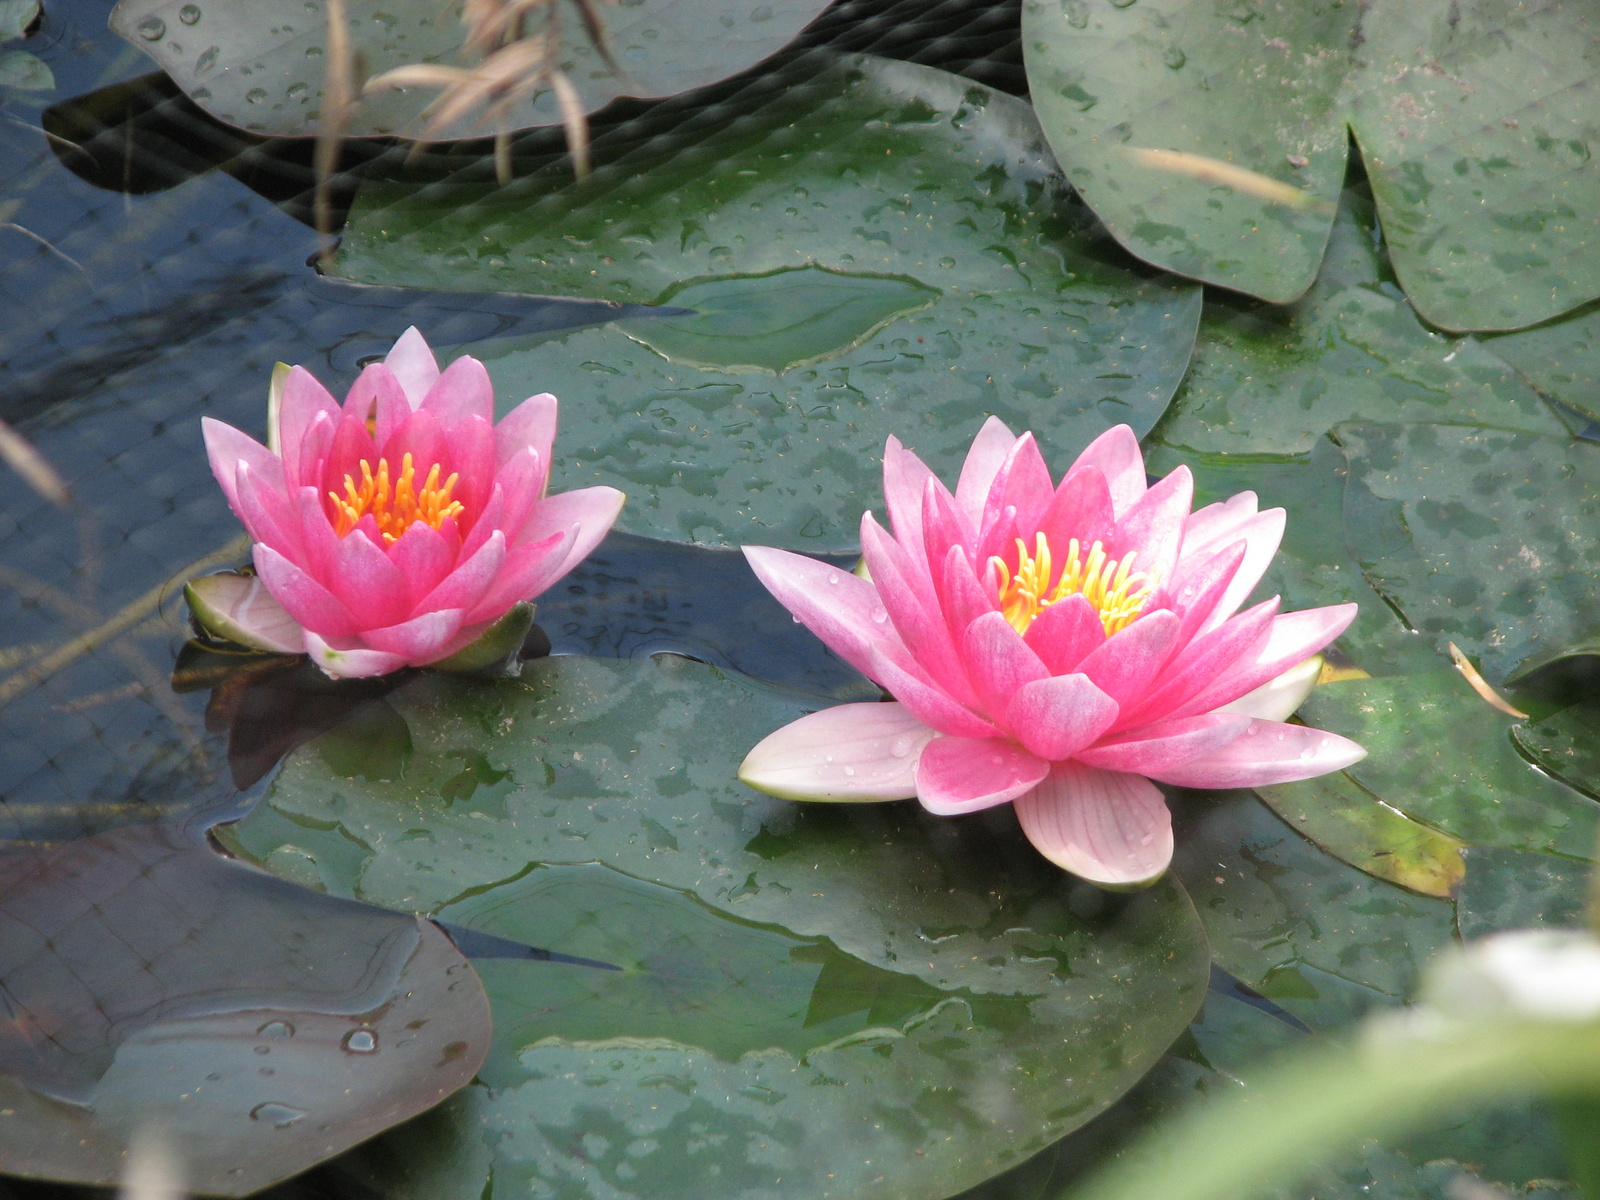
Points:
[(1316, 1106)]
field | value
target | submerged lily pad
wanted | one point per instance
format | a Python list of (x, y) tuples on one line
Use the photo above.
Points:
[(1438, 753), (1520, 889), (1474, 124), (1486, 539), (889, 182), (259, 64), (811, 1001), (1272, 379), (1567, 744), (263, 1027)]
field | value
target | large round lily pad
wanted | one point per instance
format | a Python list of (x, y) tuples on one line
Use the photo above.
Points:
[(889, 250), (259, 64), (813, 1000), (1272, 379), (1486, 539), (1475, 123)]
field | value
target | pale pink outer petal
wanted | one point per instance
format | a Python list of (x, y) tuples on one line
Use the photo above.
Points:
[(1267, 752), (1057, 717), (244, 601), (958, 775), (895, 671), (984, 459), (306, 600), (413, 364), (1116, 455), (905, 478), (1164, 745), (835, 605), (914, 611), (854, 752), (1277, 699), (227, 447), (419, 640), (1104, 826), (357, 663), (267, 512), (530, 424), (463, 390)]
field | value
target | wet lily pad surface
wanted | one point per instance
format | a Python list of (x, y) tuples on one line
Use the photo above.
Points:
[(891, 250), (806, 994)]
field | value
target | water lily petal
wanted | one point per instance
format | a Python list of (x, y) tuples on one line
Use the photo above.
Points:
[(351, 663), (390, 404), (1080, 508), (364, 579), (465, 586), (835, 605), (905, 478), (943, 524), (1279, 697), (1199, 664), (1125, 663), (591, 510), (1164, 745), (527, 570), (913, 611), (267, 512), (998, 661), (464, 390), (1261, 532), (1115, 454), (1291, 639), (300, 402), (424, 556), (469, 454), (1199, 595), (226, 448), (521, 482), (1023, 489), (239, 608), (530, 425), (420, 436), (307, 464), (306, 600), (894, 670), (963, 775), (1267, 752), (1065, 633), (853, 752), (413, 365), (1152, 527), (1110, 828), (985, 457), (1055, 718), (419, 640)]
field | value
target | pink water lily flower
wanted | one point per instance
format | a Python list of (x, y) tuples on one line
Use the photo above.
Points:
[(1057, 647), (398, 528)]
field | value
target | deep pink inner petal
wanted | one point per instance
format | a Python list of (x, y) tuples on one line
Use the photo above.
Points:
[(962, 775)]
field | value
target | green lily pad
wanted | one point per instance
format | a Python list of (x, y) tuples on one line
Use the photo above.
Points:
[(1352, 824), (1474, 125), (1566, 744), (259, 64), (1272, 379), (1520, 889), (261, 1026), (1275, 906), (1560, 358), (25, 72), (811, 1002), (1486, 539), (890, 181), (15, 18), (1441, 755), (1313, 566)]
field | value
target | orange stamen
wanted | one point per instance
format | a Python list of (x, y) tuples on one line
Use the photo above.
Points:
[(1116, 590), (395, 507)]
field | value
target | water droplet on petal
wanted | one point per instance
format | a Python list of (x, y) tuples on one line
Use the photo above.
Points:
[(152, 29), (849, 770), (276, 1029), (900, 747), (1307, 754), (1147, 839), (279, 1116), (833, 578), (880, 615), (360, 1041), (189, 14)]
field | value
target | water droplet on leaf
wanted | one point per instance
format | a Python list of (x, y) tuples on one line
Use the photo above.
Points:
[(360, 1041)]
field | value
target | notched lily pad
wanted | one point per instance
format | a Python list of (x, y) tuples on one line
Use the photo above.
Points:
[(1440, 754), (1567, 744), (925, 184), (1487, 539), (811, 1002), (1482, 176), (264, 1027)]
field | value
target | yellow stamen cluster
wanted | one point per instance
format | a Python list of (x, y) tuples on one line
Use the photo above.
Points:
[(1116, 590), (395, 507)]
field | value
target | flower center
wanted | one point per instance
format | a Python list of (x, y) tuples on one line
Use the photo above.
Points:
[(394, 506), (1116, 590)]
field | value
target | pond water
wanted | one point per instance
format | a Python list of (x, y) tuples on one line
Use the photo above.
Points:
[(279, 916)]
